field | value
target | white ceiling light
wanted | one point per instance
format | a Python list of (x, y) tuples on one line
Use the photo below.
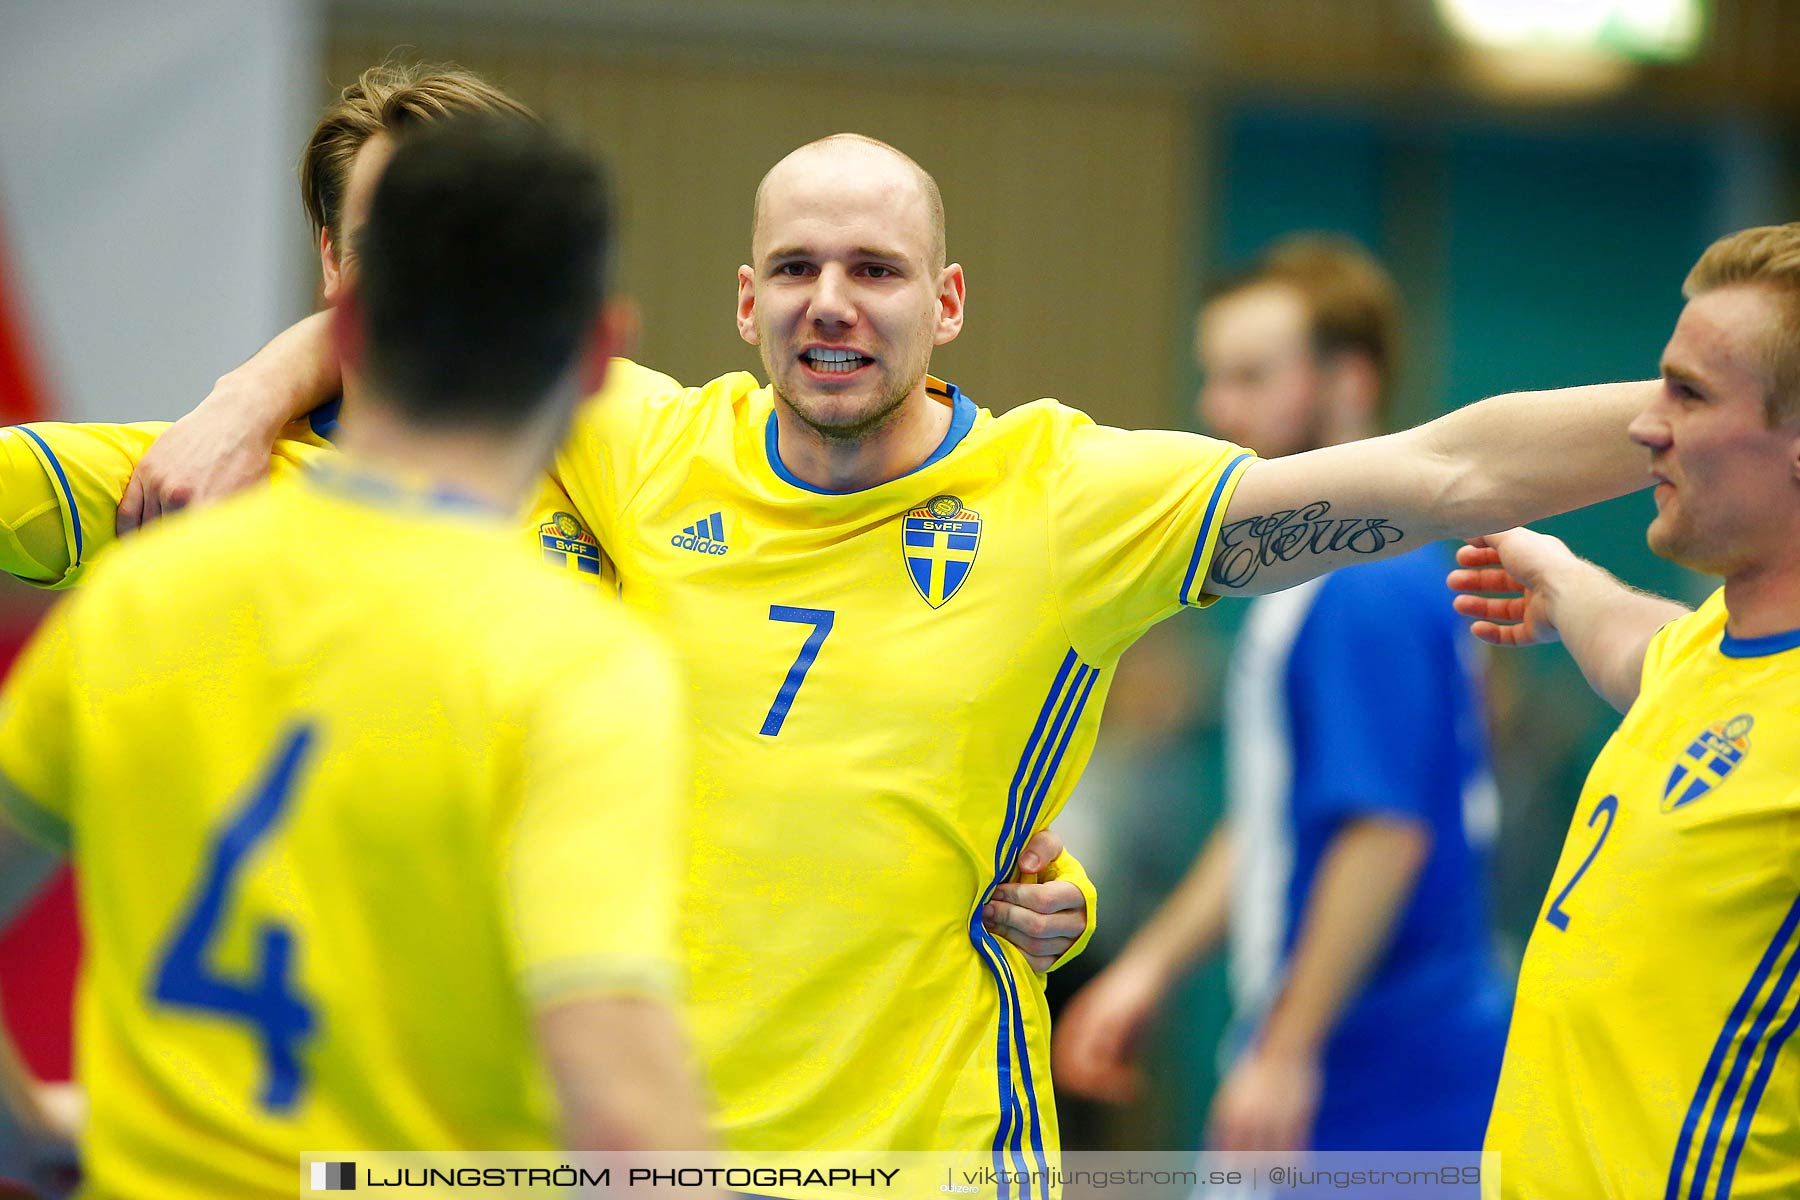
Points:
[(1653, 30)]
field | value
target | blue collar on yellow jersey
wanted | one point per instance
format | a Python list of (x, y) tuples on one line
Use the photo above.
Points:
[(370, 485), (962, 419), (1758, 647)]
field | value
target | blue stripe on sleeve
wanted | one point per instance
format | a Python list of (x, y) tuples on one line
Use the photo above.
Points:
[(1225, 478), (63, 481)]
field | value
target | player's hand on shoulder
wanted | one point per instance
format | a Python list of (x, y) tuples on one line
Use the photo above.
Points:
[(1100, 1036), (1500, 580), (216, 450), (1044, 919), (1266, 1102)]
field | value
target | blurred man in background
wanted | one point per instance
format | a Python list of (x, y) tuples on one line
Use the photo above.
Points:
[(1651, 1050), (359, 911), (1349, 876)]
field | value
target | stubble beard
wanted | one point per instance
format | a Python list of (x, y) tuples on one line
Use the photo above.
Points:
[(1680, 544), (855, 429), (851, 432)]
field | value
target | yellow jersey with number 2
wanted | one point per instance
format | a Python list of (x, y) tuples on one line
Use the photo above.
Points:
[(1652, 1050)]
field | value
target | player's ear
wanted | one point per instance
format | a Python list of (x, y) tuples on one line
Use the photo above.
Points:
[(329, 267), (746, 306), (614, 332), (950, 304)]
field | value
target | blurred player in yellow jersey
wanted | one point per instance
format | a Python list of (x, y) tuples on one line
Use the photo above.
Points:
[(899, 615), (1652, 1051), (65, 487), (341, 885)]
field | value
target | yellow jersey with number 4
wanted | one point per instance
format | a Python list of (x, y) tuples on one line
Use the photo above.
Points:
[(1652, 1050), (343, 821), (892, 690)]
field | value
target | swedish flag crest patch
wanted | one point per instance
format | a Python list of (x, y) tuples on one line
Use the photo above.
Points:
[(567, 541), (1713, 754), (939, 540)]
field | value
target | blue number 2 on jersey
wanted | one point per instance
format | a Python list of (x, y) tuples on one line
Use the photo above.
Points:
[(266, 1000), (1609, 806)]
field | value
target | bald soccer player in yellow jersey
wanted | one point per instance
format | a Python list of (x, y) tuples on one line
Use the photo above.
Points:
[(1651, 1051), (898, 615), (341, 887), (61, 483)]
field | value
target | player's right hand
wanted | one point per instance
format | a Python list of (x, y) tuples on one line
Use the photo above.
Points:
[(1514, 566), (217, 449), (1095, 1048)]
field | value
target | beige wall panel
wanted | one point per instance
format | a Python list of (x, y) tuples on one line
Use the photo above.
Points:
[(1065, 197)]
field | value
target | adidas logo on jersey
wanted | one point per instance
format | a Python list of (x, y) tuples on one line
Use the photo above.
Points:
[(703, 537)]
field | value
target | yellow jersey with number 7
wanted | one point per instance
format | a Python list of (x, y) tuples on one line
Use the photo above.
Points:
[(892, 688)]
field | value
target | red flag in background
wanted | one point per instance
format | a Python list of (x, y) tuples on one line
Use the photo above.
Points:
[(40, 951), (21, 392)]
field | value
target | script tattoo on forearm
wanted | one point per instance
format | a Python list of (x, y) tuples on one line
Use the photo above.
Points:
[(1245, 547)]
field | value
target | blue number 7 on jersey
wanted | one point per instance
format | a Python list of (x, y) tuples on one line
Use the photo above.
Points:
[(820, 619), (266, 1001)]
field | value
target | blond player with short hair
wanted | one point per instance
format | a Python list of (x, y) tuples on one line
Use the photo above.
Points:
[(1651, 1050)]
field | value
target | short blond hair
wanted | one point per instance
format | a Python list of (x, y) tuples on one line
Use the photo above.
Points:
[(1767, 257), (386, 99)]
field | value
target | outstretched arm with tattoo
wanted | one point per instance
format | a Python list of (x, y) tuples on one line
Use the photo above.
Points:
[(1491, 465), (1548, 594)]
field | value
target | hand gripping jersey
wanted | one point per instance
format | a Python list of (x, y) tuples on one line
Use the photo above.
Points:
[(73, 475), (892, 689), (341, 822), (1652, 1051)]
